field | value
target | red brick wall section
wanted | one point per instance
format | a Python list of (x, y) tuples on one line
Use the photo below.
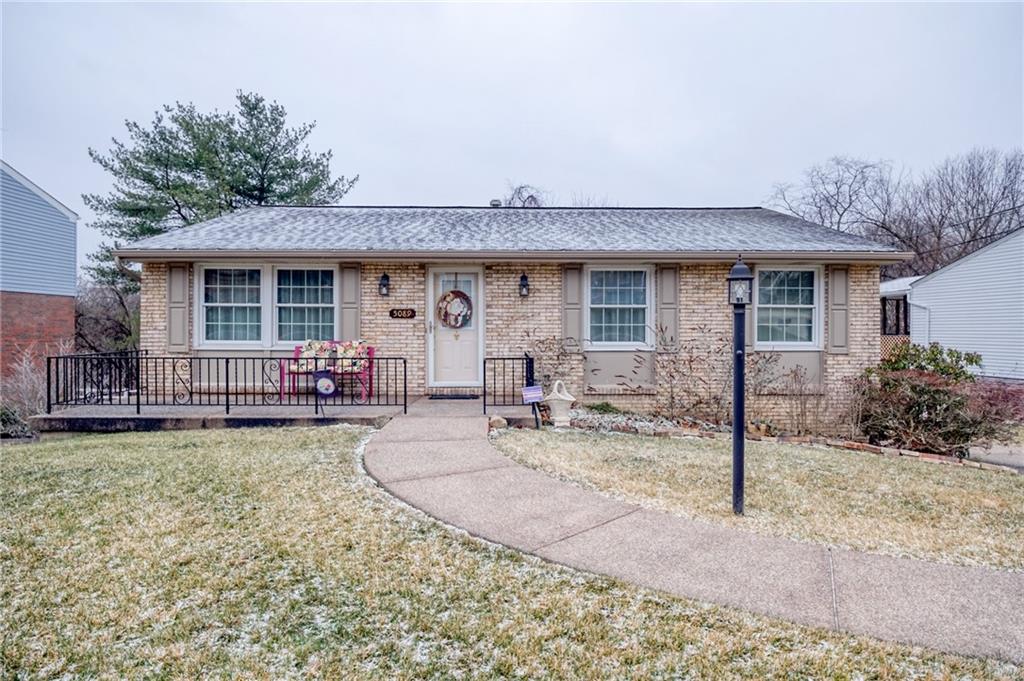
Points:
[(33, 320)]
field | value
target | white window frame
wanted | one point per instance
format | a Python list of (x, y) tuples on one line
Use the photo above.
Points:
[(199, 319), (817, 320), (268, 303), (599, 346), (278, 343)]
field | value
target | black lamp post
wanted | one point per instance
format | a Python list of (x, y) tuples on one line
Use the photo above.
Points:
[(740, 283)]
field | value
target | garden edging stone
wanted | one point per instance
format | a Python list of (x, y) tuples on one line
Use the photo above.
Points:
[(799, 440)]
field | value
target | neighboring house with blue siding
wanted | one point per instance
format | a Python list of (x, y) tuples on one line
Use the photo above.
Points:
[(38, 243), (976, 304)]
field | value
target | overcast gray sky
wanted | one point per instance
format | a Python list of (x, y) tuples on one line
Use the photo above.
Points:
[(642, 104)]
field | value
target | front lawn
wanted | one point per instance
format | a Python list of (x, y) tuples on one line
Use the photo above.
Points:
[(894, 506), (267, 554)]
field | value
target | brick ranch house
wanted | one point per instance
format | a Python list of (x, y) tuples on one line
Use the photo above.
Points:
[(627, 305)]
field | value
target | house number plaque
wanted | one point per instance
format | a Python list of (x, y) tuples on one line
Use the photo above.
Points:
[(402, 313)]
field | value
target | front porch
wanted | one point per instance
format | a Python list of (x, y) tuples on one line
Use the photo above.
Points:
[(113, 418), (134, 391)]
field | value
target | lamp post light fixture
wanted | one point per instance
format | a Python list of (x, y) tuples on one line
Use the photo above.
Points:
[(384, 286), (740, 284), (524, 285)]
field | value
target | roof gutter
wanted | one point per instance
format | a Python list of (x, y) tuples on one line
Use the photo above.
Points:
[(165, 255)]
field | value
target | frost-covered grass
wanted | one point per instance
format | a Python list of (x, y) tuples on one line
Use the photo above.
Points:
[(266, 554), (842, 498)]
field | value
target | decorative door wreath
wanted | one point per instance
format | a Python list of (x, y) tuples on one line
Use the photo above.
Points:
[(454, 309)]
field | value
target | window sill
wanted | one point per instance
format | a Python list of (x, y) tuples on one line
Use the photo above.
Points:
[(620, 390), (812, 390), (617, 347), (787, 347)]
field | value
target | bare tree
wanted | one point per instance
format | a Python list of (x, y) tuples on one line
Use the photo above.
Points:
[(841, 193), (525, 196), (959, 206), (590, 201), (106, 317)]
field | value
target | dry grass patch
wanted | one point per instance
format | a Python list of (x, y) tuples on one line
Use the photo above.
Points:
[(862, 501), (266, 554)]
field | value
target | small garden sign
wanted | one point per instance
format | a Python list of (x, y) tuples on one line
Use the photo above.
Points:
[(532, 394)]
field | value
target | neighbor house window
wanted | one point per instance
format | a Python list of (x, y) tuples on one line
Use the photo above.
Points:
[(618, 308), (231, 304), (305, 304), (786, 303)]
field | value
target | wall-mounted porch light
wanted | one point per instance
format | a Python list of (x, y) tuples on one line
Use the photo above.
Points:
[(524, 285), (384, 287)]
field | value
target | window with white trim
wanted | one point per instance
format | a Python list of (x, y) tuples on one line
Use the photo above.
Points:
[(231, 304), (786, 302), (305, 304), (618, 307)]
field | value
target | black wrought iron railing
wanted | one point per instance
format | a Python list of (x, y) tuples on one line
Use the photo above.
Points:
[(139, 380), (505, 378)]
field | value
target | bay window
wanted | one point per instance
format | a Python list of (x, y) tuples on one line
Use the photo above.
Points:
[(618, 308), (787, 307)]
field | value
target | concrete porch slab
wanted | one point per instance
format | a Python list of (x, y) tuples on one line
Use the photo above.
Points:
[(122, 418)]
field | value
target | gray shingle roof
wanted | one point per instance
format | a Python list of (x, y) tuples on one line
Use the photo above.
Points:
[(385, 229)]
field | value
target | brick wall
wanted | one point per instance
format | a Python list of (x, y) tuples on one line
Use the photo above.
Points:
[(153, 310), (514, 324), (864, 340), (705, 321), (35, 322), (397, 337)]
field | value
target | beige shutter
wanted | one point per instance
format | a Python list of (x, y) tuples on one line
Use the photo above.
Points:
[(572, 307), (667, 301), (838, 310), (177, 307), (349, 302)]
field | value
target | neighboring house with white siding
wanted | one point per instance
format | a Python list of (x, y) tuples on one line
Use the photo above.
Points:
[(976, 304), (38, 244)]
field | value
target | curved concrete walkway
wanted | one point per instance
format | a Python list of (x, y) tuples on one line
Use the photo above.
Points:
[(438, 459)]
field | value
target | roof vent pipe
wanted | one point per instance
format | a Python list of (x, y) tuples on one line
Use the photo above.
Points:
[(495, 203)]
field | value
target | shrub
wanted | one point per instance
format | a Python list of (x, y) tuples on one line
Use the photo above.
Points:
[(23, 391), (947, 362), (930, 412), (604, 408)]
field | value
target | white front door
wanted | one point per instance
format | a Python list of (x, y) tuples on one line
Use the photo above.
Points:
[(455, 303)]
